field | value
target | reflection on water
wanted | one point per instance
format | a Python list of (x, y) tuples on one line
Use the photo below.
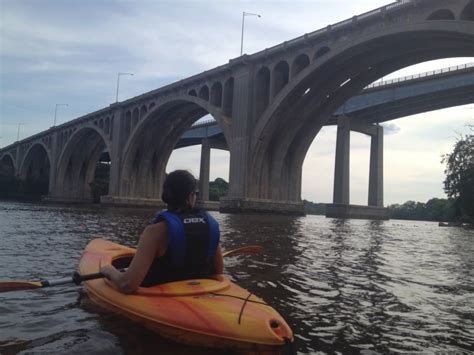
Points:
[(342, 285)]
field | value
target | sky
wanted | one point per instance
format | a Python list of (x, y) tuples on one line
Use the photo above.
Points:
[(69, 52)]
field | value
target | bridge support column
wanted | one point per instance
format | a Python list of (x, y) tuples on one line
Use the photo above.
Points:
[(203, 198), (376, 169), (341, 208), (240, 199), (116, 152), (341, 193), (204, 170), (53, 171), (118, 142), (239, 144), (17, 161)]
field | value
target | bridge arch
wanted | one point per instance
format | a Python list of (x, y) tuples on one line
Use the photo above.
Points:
[(443, 14), (300, 62), (8, 181), (35, 168), (262, 90), (281, 76), (321, 52), (228, 96), (279, 148), (147, 152), (77, 166), (216, 94), (135, 117), (468, 13), (143, 111), (8, 163), (204, 93)]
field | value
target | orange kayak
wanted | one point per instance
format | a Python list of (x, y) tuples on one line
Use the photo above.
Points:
[(212, 312)]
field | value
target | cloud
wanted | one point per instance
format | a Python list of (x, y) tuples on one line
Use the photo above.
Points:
[(70, 52), (390, 128)]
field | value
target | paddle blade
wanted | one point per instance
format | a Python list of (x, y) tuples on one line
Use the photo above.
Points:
[(6, 286), (246, 250)]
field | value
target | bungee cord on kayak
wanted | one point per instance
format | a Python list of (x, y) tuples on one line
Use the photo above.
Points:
[(240, 298), (243, 306)]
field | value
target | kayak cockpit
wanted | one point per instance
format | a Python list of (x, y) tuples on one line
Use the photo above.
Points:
[(193, 287)]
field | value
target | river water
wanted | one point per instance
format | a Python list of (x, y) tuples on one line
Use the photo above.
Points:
[(343, 285)]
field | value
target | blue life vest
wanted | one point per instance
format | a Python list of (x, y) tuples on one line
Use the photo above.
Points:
[(192, 243)]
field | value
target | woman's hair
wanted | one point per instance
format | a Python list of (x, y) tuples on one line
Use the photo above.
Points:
[(177, 187)]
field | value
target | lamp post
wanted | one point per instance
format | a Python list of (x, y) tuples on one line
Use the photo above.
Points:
[(243, 22), (118, 83), (18, 133), (56, 112)]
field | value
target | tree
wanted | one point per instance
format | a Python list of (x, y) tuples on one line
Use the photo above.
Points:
[(436, 209), (218, 188), (459, 182)]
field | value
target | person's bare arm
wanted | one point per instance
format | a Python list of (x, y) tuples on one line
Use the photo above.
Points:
[(218, 261), (153, 242)]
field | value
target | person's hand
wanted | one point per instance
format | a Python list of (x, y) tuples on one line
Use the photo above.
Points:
[(107, 270)]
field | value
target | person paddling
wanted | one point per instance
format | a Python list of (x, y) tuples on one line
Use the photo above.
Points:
[(181, 242)]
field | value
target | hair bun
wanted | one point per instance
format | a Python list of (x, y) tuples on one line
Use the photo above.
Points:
[(177, 187)]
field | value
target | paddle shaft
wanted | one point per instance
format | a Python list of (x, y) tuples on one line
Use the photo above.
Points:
[(77, 278)]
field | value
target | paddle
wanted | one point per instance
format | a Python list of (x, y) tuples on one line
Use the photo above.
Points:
[(248, 250), (76, 278)]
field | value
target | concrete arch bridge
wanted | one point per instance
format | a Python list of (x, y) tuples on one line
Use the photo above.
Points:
[(269, 107)]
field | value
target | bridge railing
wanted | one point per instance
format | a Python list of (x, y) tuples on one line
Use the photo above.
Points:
[(348, 22), (203, 123), (420, 75), (211, 121)]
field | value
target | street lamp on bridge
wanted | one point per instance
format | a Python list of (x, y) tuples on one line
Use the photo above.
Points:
[(118, 83), (18, 133), (56, 112), (243, 21)]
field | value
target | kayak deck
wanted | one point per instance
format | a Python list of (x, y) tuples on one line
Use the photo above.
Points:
[(212, 312)]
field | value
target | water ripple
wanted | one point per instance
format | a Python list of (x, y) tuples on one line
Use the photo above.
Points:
[(343, 285)]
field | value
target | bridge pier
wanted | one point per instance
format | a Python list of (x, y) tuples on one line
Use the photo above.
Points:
[(53, 164), (115, 153), (17, 160), (341, 207), (341, 194), (203, 197), (240, 198), (376, 169), (204, 170)]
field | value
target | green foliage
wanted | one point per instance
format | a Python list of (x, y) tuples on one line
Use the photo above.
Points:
[(218, 188), (459, 182), (314, 208), (436, 209)]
